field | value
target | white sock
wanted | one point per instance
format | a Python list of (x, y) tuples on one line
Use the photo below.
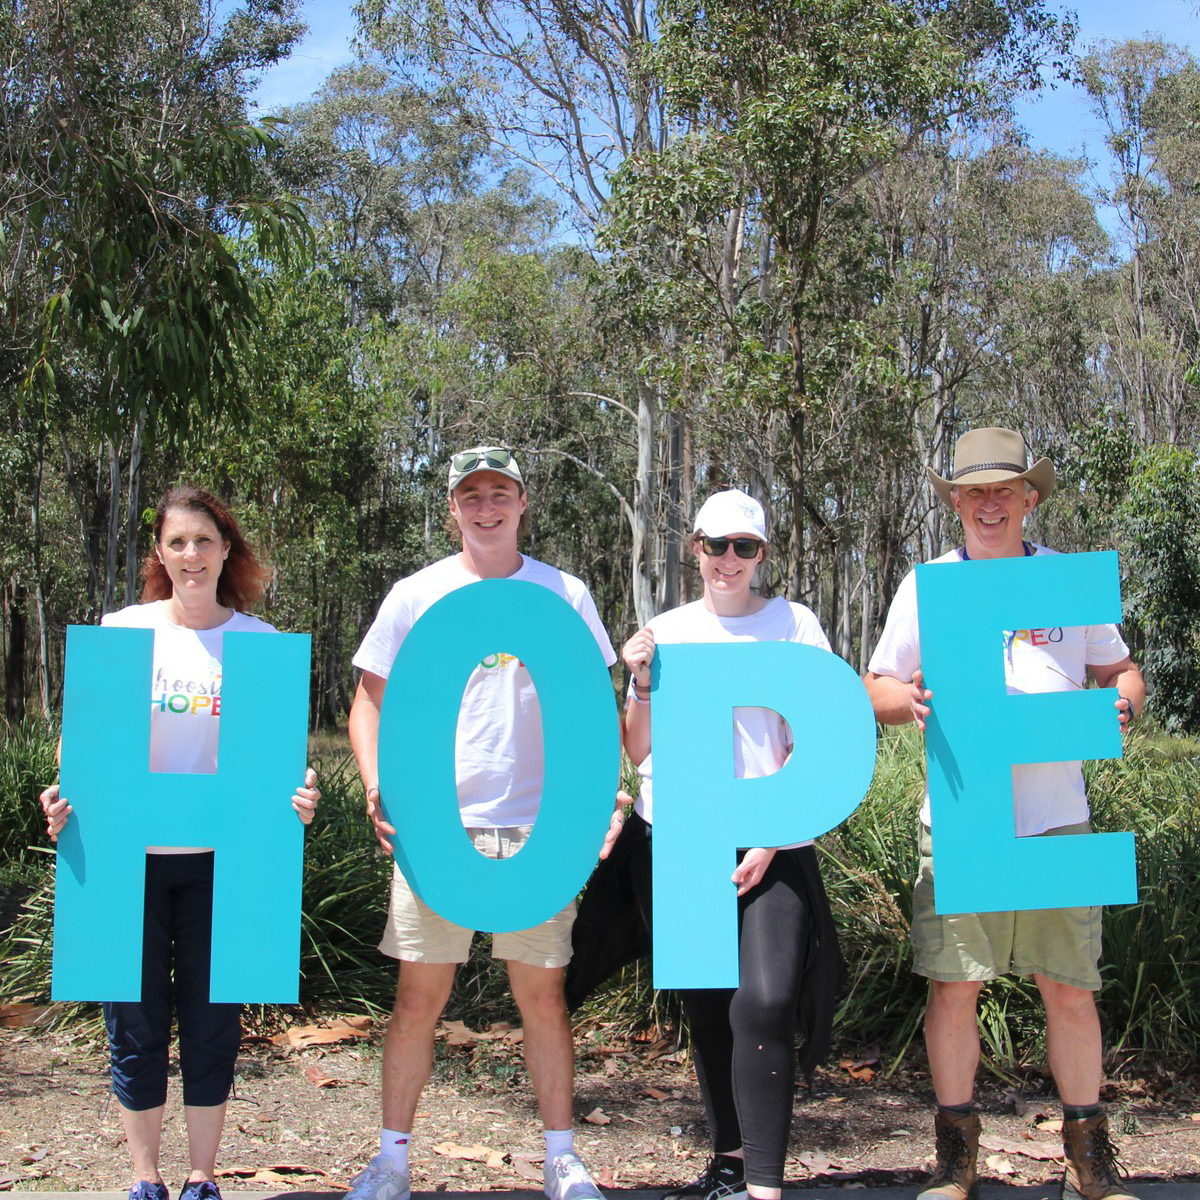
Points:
[(558, 1141), (393, 1145)]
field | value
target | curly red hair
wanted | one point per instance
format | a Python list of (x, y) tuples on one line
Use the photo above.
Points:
[(243, 578)]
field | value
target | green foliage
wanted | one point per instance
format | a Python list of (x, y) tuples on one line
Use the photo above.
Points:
[(1150, 1001), (345, 900), (1159, 528), (1150, 963), (28, 763), (133, 180), (869, 864)]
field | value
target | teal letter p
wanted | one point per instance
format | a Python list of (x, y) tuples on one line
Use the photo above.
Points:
[(703, 813)]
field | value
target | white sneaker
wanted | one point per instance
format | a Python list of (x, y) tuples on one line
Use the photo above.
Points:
[(380, 1180), (568, 1179)]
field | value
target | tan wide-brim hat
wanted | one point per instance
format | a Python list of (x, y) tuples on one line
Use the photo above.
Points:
[(993, 456)]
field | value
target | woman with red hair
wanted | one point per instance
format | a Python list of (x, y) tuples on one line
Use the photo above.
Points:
[(199, 579)]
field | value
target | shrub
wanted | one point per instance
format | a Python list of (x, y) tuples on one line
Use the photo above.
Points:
[(28, 762)]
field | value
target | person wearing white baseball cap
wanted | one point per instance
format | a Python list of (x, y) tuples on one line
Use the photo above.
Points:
[(499, 766), (993, 490), (744, 1040)]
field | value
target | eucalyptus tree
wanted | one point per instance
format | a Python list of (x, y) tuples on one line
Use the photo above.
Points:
[(784, 112), (1147, 95), (1144, 92), (128, 165), (565, 92)]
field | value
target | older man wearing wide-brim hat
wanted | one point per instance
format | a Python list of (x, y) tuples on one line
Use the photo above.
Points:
[(993, 489)]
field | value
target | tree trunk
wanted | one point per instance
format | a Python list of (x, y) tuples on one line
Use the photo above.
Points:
[(844, 642), (14, 652), (91, 551), (866, 645), (133, 508), (795, 579), (114, 525), (643, 506), (670, 584), (43, 664)]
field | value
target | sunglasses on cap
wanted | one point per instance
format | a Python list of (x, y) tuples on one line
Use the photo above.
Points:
[(468, 460), (743, 547)]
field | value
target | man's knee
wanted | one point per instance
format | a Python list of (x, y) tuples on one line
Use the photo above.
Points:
[(954, 997), (422, 990), (538, 992), (1066, 1001)]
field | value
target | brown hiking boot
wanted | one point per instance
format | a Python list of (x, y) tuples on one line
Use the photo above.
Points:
[(954, 1177), (1092, 1171)]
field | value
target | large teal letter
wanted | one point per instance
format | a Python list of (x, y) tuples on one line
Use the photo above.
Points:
[(703, 813), (121, 808), (977, 732), (416, 754)]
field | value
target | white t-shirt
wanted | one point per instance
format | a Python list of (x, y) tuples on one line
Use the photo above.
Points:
[(1045, 795), (499, 760), (762, 739), (185, 689)]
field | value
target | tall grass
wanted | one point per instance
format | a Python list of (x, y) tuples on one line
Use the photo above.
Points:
[(1149, 1005), (28, 762), (1150, 1001)]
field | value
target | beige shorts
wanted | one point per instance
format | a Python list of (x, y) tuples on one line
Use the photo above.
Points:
[(1063, 944), (415, 933)]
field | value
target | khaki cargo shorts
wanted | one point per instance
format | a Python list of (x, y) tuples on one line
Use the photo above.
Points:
[(1063, 944), (415, 933)]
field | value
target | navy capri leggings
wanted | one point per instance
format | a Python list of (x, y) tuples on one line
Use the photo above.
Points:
[(176, 941)]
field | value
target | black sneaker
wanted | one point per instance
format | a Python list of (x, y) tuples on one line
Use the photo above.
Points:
[(723, 1179)]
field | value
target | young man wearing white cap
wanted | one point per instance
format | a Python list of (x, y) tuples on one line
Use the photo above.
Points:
[(499, 767), (993, 491)]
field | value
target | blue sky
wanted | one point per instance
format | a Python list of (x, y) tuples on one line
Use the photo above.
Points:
[(1058, 120)]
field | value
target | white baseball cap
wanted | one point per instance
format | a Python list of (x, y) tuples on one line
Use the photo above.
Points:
[(483, 458), (726, 513)]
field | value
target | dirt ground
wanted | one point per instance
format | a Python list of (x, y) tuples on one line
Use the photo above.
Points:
[(305, 1114)]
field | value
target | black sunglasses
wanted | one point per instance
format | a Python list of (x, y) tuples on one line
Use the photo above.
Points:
[(743, 547), (468, 460)]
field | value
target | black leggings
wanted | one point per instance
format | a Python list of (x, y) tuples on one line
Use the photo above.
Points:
[(176, 956), (744, 1039)]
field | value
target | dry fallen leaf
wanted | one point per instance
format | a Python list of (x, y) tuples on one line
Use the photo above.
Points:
[(322, 1081), (527, 1169), (598, 1117), (1050, 1125), (857, 1069), (819, 1164), (1042, 1151), (21, 1015), (999, 1165), (477, 1153), (1023, 1107), (654, 1093), (338, 1030), (457, 1034)]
